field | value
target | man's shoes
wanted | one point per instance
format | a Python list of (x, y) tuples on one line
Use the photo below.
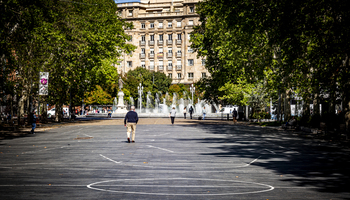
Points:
[(129, 140), (133, 141)]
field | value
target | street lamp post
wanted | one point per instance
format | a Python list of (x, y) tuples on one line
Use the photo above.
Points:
[(140, 90), (192, 89)]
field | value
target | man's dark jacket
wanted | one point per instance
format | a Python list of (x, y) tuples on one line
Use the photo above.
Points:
[(131, 117)]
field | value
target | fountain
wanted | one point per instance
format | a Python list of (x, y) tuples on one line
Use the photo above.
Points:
[(156, 104), (148, 102), (115, 102), (181, 105)]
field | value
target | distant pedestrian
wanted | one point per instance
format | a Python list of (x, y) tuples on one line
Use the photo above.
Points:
[(204, 113), (185, 111), (109, 113), (234, 115), (32, 120), (172, 115), (191, 111), (130, 121)]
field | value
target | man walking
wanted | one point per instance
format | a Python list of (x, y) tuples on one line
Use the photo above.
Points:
[(130, 121), (234, 115), (32, 119), (191, 111)]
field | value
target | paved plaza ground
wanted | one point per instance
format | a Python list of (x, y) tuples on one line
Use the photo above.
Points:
[(189, 160)]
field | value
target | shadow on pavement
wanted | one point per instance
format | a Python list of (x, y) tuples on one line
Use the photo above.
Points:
[(303, 162)]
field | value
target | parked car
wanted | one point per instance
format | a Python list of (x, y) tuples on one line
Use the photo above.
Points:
[(52, 112), (228, 109)]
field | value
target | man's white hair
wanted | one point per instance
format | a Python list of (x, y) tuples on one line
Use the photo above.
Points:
[(132, 107)]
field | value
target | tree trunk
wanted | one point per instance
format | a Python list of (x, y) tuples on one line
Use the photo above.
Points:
[(287, 110), (316, 103)]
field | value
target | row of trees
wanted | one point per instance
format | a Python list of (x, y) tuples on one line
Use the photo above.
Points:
[(77, 42), (275, 48)]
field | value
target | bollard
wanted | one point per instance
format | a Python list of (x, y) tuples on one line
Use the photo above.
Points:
[(228, 117)]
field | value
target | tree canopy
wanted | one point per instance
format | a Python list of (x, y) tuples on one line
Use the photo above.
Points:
[(77, 42), (299, 46)]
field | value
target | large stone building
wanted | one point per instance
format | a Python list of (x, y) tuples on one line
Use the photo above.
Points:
[(161, 33)]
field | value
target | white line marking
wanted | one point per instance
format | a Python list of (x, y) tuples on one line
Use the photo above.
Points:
[(110, 159), (160, 148), (90, 186), (88, 135), (270, 151), (162, 134), (246, 165)]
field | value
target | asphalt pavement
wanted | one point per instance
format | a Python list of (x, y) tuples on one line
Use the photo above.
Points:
[(189, 160)]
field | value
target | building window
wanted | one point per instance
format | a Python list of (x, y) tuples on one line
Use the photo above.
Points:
[(143, 38), (204, 75), (143, 26), (161, 63), (170, 24), (179, 75), (151, 64), (151, 25), (129, 64), (160, 37), (191, 9), (190, 75), (170, 37), (143, 64), (179, 36), (203, 62), (152, 37), (170, 75), (160, 50), (190, 22), (170, 63), (170, 50), (190, 50), (178, 24), (189, 36), (143, 51), (151, 51), (160, 25), (130, 13), (190, 62)]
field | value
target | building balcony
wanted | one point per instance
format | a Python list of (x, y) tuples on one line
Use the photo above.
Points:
[(160, 55), (160, 43), (160, 27), (178, 55), (170, 68), (150, 55), (169, 55), (160, 67), (142, 43), (169, 27), (178, 42), (169, 42), (142, 55), (178, 67), (151, 42), (151, 67)]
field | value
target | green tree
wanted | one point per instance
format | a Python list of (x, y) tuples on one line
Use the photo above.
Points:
[(98, 97)]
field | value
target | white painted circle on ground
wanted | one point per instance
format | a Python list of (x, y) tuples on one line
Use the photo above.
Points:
[(180, 187)]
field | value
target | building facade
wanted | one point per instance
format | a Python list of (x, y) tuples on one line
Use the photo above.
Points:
[(161, 33)]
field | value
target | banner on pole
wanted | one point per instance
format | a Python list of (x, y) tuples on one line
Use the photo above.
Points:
[(44, 83)]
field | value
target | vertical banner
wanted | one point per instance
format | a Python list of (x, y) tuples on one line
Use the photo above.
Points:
[(44, 83)]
